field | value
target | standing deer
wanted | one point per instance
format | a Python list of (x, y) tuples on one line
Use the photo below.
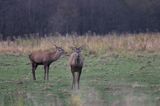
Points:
[(76, 64), (44, 58)]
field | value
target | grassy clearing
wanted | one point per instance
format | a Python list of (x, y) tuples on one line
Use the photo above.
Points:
[(112, 80), (111, 76)]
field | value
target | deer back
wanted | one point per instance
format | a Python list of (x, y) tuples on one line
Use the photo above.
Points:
[(42, 56)]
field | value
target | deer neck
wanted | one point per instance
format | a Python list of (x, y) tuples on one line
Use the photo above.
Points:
[(56, 56), (78, 58)]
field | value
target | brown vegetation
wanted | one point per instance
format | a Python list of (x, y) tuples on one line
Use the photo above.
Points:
[(93, 44)]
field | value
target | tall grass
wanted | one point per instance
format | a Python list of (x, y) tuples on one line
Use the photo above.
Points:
[(91, 43)]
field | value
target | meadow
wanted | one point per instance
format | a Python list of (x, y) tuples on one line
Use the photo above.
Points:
[(119, 70)]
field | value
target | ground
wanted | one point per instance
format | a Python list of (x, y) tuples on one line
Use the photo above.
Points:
[(108, 80)]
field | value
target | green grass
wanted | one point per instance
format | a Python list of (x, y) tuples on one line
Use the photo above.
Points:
[(115, 80)]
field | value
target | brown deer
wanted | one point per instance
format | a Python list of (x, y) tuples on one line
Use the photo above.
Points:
[(76, 64), (44, 58)]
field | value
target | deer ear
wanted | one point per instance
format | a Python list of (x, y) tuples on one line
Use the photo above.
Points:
[(56, 46), (73, 48), (80, 48)]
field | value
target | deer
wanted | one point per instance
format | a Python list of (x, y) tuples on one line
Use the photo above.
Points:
[(44, 58), (76, 65)]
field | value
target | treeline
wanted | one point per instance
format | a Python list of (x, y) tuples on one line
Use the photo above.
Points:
[(19, 17)]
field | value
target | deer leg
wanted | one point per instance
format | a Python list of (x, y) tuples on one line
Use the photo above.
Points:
[(73, 82), (34, 66), (79, 75), (44, 72), (47, 72)]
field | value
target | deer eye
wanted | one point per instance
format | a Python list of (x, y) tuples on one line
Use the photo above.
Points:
[(60, 49)]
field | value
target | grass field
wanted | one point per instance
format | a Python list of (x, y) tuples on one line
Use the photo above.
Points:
[(119, 70), (107, 80)]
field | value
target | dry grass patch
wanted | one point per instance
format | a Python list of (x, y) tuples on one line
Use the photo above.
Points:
[(92, 44)]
